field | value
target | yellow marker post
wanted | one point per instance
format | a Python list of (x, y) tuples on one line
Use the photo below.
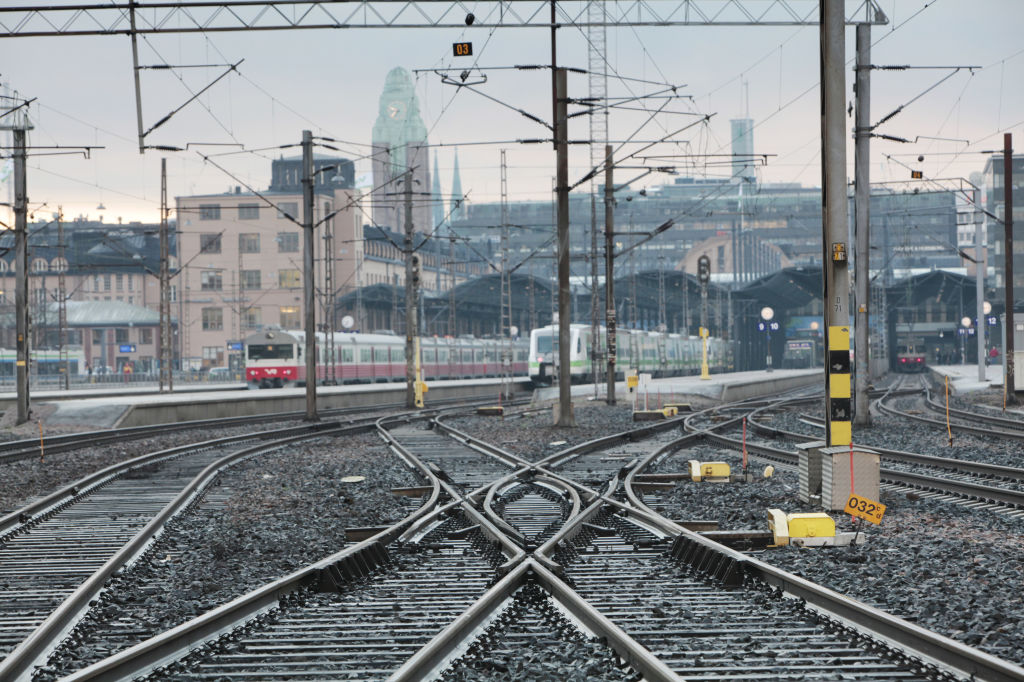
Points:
[(419, 388), (704, 371), (840, 404)]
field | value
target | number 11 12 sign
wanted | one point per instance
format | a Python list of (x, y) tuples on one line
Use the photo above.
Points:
[(866, 509)]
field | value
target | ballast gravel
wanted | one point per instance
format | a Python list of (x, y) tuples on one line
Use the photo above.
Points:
[(25, 480), (945, 566), (271, 515), (533, 435)]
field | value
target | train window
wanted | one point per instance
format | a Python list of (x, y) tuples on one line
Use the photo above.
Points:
[(380, 354), (346, 355), (265, 351), (442, 356), (364, 355), (397, 355), (544, 343)]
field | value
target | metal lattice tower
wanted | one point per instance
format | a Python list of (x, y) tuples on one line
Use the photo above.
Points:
[(506, 288), (451, 289), (597, 79)]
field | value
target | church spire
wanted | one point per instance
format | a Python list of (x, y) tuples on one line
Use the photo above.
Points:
[(458, 210), (437, 201)]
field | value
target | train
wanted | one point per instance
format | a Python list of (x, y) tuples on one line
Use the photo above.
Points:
[(652, 353), (43, 363), (909, 360), (276, 358)]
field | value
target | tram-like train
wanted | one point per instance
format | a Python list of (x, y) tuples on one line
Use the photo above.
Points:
[(649, 352), (276, 358), (910, 360)]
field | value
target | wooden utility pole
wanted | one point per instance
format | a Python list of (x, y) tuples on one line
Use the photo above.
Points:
[(862, 213), (565, 415), (21, 271), (62, 301), (1011, 395), (411, 265), (309, 300), (609, 269), (166, 353), (838, 410)]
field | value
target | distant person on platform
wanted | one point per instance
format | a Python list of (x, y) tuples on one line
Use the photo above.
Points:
[(993, 356)]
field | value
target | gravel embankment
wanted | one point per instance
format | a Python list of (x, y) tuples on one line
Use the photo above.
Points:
[(533, 436), (943, 566), (26, 479), (281, 511), (533, 641)]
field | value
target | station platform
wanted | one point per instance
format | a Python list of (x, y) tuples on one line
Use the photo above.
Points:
[(92, 412), (964, 378), (718, 388)]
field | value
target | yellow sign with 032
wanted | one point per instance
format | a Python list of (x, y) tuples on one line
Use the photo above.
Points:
[(866, 509)]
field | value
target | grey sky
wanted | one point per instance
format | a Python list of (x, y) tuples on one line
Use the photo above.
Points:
[(329, 81)]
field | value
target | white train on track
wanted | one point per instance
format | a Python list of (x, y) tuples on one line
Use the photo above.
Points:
[(648, 352)]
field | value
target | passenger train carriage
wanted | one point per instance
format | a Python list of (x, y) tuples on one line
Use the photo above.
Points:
[(649, 352), (276, 358)]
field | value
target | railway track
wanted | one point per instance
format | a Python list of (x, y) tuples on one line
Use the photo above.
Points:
[(512, 561)]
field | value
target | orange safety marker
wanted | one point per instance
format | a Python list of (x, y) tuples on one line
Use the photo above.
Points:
[(744, 445), (949, 431)]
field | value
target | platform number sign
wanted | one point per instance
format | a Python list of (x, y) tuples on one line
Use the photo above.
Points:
[(703, 269), (866, 509), (462, 49)]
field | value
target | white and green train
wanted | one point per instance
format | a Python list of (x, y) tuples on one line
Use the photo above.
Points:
[(648, 352)]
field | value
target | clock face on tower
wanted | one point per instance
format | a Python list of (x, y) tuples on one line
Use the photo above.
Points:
[(396, 110)]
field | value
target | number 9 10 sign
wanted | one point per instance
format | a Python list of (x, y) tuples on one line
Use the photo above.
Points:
[(866, 509)]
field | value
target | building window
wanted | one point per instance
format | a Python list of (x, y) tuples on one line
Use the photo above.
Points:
[(40, 265), (248, 211), (131, 282), (290, 317), (287, 242), (289, 279), (120, 335), (146, 336), (106, 283), (209, 242), (210, 280), (174, 293), (95, 282), (120, 282), (209, 211), (250, 279), (59, 265), (252, 318), (288, 209), (213, 319), (249, 243), (97, 337)]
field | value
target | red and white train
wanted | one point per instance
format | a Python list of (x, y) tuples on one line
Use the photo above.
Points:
[(276, 358)]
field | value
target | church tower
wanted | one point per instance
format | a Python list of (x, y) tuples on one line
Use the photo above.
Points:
[(458, 207), (400, 143)]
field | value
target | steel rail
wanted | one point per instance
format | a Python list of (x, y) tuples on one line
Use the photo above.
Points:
[(955, 426), (1012, 424), (961, 465), (29, 447), (46, 506), (18, 665), (358, 560), (727, 564)]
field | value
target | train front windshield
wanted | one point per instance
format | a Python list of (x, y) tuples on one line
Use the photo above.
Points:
[(263, 351), (545, 342)]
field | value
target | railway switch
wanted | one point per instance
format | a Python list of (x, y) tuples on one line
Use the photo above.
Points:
[(814, 529)]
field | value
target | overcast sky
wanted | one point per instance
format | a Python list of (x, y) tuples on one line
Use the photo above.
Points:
[(330, 80)]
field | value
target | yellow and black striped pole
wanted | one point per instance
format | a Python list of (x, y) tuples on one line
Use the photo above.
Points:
[(840, 407), (835, 273)]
